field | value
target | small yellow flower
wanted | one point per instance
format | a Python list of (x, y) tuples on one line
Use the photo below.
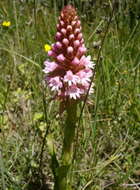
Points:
[(47, 47), (6, 23)]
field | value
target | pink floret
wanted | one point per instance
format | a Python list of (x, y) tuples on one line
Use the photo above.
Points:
[(84, 77), (73, 92), (86, 61), (55, 83), (49, 66), (70, 78)]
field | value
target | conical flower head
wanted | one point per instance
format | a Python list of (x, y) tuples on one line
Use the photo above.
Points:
[(70, 72)]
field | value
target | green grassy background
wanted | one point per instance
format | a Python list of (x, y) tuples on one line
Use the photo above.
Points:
[(108, 150)]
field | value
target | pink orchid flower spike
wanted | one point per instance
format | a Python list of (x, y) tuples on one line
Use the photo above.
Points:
[(69, 74)]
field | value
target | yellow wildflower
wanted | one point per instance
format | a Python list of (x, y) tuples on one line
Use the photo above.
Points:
[(6, 23), (47, 47)]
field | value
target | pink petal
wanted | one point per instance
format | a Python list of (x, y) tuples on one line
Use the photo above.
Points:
[(70, 78), (73, 92), (49, 66), (55, 83)]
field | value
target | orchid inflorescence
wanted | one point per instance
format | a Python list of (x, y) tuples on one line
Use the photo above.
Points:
[(70, 72)]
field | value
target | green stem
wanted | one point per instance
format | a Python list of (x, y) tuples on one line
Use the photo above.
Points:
[(69, 133), (67, 151)]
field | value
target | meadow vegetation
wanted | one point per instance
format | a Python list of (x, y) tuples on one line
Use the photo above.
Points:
[(107, 151)]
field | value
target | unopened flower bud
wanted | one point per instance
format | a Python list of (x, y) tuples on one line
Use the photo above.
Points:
[(65, 41), (71, 37), (63, 31), (76, 43), (80, 36), (58, 45), (75, 61), (69, 28), (61, 58), (58, 36), (51, 53), (70, 50)]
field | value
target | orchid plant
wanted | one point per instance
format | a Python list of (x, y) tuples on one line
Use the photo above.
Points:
[(69, 77)]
